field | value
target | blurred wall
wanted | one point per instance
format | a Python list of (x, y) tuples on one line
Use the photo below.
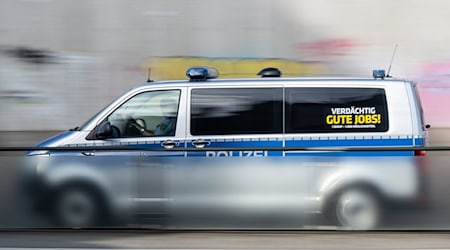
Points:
[(63, 60)]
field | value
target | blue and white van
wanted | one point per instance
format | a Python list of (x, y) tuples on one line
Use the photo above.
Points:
[(257, 117)]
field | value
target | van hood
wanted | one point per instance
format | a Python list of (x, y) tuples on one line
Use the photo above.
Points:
[(58, 140)]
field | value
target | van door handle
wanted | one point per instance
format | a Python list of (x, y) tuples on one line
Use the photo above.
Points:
[(92, 153), (169, 144), (200, 143)]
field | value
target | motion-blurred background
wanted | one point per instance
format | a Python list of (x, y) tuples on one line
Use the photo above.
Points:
[(63, 60)]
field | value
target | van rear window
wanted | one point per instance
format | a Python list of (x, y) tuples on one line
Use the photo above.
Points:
[(226, 111), (334, 110)]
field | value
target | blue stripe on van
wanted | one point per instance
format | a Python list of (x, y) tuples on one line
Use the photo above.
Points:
[(388, 142), (352, 153), (323, 143), (419, 142), (157, 145), (349, 142), (278, 143), (244, 144)]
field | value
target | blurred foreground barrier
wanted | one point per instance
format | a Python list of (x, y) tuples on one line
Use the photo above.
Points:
[(143, 148), (121, 186)]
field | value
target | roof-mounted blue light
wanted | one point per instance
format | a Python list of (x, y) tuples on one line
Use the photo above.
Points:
[(201, 73), (269, 72), (379, 73)]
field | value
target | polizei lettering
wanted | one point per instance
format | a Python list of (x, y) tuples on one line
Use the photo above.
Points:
[(258, 153)]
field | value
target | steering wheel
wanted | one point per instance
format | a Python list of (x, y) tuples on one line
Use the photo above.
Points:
[(134, 127), (141, 123)]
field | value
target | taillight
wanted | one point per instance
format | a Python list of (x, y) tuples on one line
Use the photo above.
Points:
[(420, 153), (422, 198)]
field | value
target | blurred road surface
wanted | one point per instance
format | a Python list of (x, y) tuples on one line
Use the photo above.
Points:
[(142, 239)]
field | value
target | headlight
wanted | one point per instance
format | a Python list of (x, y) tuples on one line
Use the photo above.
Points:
[(38, 152)]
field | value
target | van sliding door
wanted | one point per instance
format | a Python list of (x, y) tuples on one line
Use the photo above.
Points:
[(243, 121)]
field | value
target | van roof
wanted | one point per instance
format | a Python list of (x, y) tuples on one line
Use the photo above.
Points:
[(268, 81)]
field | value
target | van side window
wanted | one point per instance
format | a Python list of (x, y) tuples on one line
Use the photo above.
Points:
[(226, 111), (334, 110), (152, 113)]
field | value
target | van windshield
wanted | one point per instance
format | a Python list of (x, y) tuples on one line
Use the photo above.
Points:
[(83, 127)]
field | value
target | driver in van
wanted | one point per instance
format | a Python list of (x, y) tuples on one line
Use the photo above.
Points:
[(164, 128)]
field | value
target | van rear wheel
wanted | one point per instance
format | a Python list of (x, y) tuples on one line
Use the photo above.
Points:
[(355, 209)]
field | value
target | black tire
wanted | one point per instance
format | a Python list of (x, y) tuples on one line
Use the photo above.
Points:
[(355, 208), (78, 206)]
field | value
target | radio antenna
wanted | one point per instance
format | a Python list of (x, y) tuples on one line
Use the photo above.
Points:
[(392, 59), (149, 74)]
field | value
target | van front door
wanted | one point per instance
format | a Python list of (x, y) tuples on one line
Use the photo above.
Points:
[(152, 121), (167, 136)]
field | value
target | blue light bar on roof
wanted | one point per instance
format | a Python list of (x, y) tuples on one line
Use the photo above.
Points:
[(269, 72), (201, 73), (379, 73)]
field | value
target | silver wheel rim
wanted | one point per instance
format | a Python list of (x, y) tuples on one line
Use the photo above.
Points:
[(357, 210)]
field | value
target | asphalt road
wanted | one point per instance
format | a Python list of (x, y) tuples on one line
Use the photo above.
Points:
[(142, 239)]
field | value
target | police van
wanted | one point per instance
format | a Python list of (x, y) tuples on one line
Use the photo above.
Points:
[(260, 117)]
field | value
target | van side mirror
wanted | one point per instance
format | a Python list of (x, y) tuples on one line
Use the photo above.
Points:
[(103, 130)]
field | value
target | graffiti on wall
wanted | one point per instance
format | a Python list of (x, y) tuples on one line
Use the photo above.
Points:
[(434, 88), (43, 86), (328, 47)]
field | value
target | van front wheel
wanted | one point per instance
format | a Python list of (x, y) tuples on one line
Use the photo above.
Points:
[(77, 207)]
